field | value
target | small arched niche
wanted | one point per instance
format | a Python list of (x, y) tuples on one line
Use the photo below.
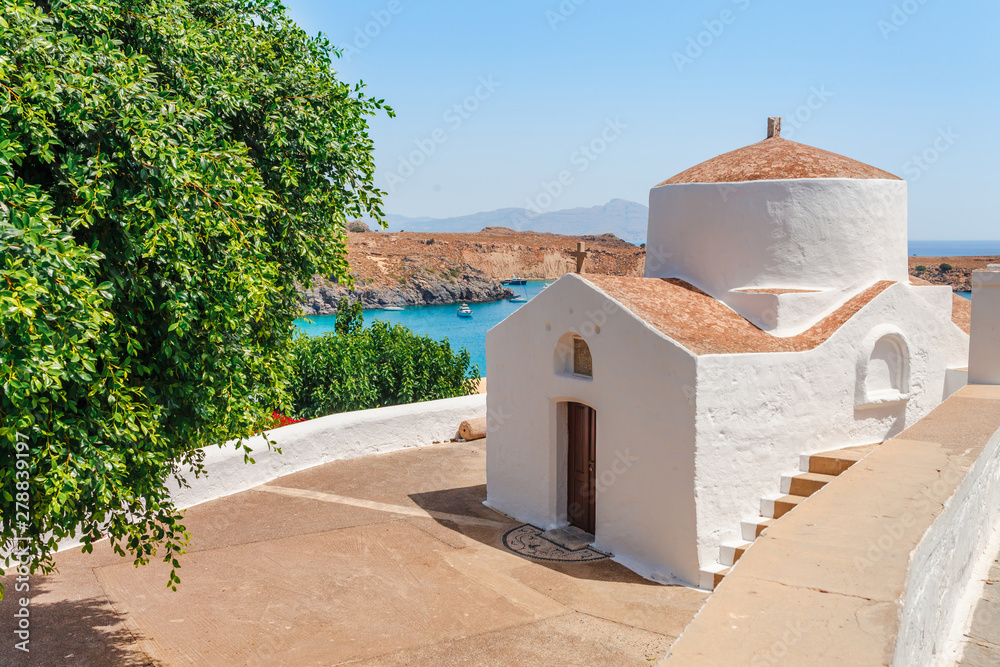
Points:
[(573, 358), (884, 370)]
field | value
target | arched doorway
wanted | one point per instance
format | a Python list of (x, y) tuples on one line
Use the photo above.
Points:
[(581, 457)]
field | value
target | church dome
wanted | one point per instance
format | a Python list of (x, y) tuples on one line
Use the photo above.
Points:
[(777, 159), (779, 218)]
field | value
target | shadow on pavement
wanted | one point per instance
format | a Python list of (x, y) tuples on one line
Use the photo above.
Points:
[(78, 632), (468, 501)]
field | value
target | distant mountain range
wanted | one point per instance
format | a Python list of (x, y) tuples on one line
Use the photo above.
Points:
[(625, 219)]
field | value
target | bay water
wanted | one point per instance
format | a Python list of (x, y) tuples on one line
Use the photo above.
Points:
[(442, 322)]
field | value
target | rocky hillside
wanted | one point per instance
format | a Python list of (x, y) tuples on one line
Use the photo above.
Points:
[(626, 219), (959, 276), (409, 268), (406, 268)]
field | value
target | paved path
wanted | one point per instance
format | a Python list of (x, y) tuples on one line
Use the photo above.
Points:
[(823, 585), (982, 647), (389, 559)]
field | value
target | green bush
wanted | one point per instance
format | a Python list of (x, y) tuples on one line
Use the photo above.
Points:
[(945, 266), (170, 171), (920, 269), (357, 368)]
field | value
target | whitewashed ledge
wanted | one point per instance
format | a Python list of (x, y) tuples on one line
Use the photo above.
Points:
[(338, 437)]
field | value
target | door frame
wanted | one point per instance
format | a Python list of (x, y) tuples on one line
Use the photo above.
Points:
[(561, 484)]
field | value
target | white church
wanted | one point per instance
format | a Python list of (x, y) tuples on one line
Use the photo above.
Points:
[(776, 318)]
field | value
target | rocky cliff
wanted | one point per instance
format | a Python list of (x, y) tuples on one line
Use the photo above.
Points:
[(399, 269), (408, 268)]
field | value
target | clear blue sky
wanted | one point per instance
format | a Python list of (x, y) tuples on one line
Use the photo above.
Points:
[(887, 81)]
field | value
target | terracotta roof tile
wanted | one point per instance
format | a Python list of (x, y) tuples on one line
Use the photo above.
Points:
[(961, 313), (774, 159), (705, 325)]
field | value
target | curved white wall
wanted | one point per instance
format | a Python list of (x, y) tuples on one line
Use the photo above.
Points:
[(346, 435), (819, 233), (707, 436), (757, 413), (342, 436)]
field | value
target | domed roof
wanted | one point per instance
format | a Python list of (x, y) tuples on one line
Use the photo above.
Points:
[(775, 159)]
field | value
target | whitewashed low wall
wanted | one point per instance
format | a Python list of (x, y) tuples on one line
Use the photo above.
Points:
[(311, 443), (945, 577), (337, 437)]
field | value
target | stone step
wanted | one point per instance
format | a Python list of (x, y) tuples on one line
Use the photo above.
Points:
[(835, 462), (711, 576), (730, 552), (804, 484), (775, 507), (752, 528)]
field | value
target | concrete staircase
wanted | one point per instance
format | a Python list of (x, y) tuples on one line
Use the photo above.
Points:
[(818, 470)]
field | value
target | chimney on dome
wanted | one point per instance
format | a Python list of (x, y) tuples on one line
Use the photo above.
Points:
[(774, 127)]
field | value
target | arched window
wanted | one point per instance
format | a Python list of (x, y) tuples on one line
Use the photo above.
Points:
[(884, 369), (573, 358), (583, 364)]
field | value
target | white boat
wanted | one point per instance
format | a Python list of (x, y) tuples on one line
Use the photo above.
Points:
[(464, 310), (392, 308)]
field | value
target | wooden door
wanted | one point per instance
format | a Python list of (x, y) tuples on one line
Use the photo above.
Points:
[(582, 460)]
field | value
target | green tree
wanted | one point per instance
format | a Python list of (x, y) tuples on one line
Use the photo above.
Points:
[(169, 172), (356, 368)]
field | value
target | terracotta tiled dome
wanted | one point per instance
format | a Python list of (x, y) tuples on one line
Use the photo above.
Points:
[(774, 159)]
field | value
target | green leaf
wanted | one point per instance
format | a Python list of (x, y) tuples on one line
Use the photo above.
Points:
[(195, 176)]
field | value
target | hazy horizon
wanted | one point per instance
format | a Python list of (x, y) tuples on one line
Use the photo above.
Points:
[(473, 213)]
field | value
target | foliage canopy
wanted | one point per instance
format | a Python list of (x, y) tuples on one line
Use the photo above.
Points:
[(357, 368), (169, 171)]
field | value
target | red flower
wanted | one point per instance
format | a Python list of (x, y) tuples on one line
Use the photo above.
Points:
[(278, 420)]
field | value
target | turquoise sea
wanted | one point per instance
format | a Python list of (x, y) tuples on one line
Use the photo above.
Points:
[(440, 322)]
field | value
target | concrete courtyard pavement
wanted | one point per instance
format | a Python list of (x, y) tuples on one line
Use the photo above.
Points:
[(388, 559)]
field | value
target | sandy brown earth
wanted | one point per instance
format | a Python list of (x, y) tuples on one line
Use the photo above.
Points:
[(496, 252), (959, 276), (413, 268), (409, 268)]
